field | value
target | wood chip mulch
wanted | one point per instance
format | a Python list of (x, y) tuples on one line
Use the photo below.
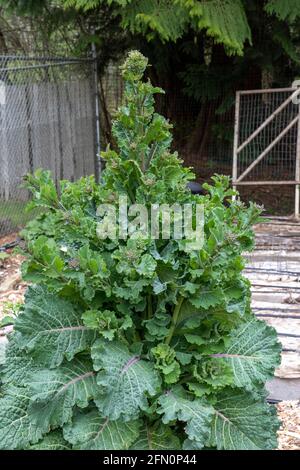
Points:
[(289, 432)]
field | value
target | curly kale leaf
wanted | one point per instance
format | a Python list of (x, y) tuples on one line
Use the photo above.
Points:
[(165, 361), (241, 422), (93, 431), (176, 404), (51, 328), (125, 380), (17, 429), (55, 392), (252, 353), (156, 437)]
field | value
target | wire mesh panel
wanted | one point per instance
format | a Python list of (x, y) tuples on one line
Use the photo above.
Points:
[(279, 163), (47, 120), (266, 146)]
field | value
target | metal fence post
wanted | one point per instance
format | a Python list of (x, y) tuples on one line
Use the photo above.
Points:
[(236, 138), (97, 116), (297, 176)]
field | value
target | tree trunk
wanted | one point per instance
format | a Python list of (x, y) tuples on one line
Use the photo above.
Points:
[(106, 118), (199, 137)]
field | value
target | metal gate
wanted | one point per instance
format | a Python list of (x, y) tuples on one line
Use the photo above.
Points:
[(267, 139)]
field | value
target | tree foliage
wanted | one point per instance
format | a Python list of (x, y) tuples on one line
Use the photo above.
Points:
[(201, 51), (137, 343), (49, 28), (226, 21)]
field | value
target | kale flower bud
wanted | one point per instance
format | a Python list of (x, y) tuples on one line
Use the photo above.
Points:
[(134, 66)]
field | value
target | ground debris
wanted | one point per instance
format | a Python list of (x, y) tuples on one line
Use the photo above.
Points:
[(12, 288), (289, 432)]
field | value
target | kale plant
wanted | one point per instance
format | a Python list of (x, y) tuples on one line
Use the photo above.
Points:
[(137, 343)]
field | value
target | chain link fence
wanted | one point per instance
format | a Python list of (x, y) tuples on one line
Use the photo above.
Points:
[(47, 120)]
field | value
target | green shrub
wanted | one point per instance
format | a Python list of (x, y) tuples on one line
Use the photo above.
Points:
[(137, 343)]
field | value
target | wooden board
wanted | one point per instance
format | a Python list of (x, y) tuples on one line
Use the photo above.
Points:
[(274, 272)]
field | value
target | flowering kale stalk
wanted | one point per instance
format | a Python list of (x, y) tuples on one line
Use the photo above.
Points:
[(137, 343)]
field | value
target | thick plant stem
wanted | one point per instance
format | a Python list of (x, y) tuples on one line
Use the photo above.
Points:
[(174, 320)]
